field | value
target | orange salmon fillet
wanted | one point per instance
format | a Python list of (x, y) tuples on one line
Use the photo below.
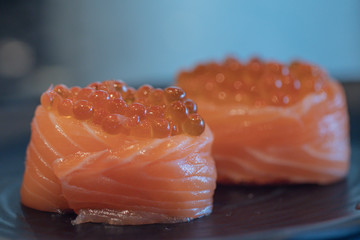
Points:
[(117, 179), (304, 143)]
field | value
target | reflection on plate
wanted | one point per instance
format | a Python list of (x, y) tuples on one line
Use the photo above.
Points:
[(303, 210)]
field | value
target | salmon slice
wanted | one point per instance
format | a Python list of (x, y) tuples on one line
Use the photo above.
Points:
[(146, 165), (272, 123)]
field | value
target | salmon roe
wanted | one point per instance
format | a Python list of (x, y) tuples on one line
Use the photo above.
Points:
[(117, 108), (256, 83)]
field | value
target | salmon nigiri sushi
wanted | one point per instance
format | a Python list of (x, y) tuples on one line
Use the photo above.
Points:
[(272, 122), (117, 155)]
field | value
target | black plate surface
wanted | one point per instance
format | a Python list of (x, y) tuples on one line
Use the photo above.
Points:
[(272, 212)]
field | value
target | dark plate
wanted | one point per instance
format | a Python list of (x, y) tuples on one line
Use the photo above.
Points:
[(296, 212)]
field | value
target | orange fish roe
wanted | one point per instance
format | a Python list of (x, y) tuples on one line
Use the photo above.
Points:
[(118, 108), (255, 83)]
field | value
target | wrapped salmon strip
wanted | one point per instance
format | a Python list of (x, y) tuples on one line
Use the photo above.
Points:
[(272, 122), (118, 155)]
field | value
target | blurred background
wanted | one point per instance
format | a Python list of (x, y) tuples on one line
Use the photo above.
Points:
[(82, 41)]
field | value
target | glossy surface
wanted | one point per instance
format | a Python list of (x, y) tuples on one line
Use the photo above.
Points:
[(145, 106), (256, 82)]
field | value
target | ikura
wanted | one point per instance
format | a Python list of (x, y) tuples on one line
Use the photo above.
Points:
[(99, 98), (117, 105), (46, 99), (160, 127), (257, 83), (194, 125), (142, 129), (177, 111), (157, 97), (174, 93), (99, 115), (84, 93), (144, 91), (120, 109), (155, 111), (113, 123), (136, 109), (62, 90), (83, 109), (65, 107), (191, 106)]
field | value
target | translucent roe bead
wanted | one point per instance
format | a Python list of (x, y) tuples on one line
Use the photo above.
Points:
[(157, 97), (65, 107), (160, 128), (85, 93), (46, 100), (177, 111), (57, 99), (129, 95), (114, 94), (117, 105), (62, 90), (144, 91), (142, 129), (83, 109), (75, 91), (99, 98), (174, 128), (174, 93), (120, 86), (99, 115), (136, 109), (95, 85), (155, 111), (113, 123), (194, 125), (190, 105)]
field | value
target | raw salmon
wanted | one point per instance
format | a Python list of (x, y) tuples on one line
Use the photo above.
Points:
[(119, 156), (272, 123)]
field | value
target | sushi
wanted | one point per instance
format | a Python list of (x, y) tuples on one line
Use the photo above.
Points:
[(273, 123), (117, 155)]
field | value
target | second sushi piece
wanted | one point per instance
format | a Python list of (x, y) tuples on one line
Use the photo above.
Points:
[(272, 122)]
